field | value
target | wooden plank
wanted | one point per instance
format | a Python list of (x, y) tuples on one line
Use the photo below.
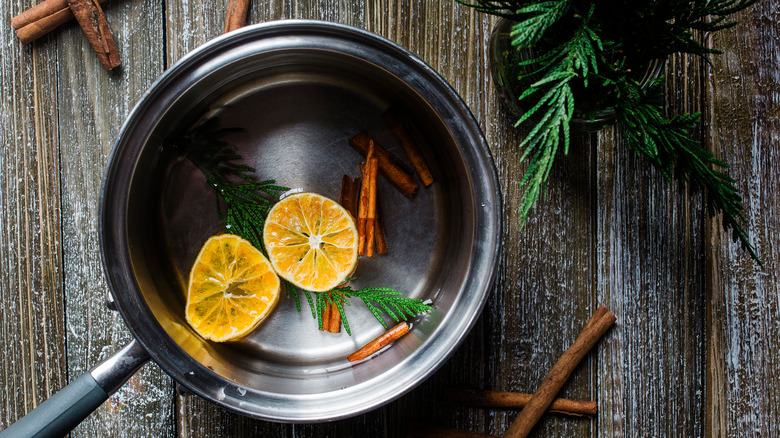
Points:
[(32, 329), (743, 304), (400, 22), (650, 259), (92, 106), (545, 287), (543, 294)]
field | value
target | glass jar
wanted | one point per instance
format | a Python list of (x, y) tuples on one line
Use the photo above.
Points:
[(506, 73)]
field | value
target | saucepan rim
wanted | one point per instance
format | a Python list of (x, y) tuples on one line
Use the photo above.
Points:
[(124, 286)]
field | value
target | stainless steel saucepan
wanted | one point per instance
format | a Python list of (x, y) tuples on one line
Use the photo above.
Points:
[(299, 90)]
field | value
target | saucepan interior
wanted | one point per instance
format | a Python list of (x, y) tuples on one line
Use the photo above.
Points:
[(297, 92)]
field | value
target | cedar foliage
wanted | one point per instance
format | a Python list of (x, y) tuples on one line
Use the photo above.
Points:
[(588, 53), (379, 301), (242, 205)]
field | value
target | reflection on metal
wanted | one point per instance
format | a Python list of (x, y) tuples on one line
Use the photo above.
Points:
[(299, 90)]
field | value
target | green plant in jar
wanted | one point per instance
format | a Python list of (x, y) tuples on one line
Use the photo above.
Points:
[(587, 61)]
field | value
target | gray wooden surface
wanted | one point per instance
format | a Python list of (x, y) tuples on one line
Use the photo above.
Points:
[(695, 351)]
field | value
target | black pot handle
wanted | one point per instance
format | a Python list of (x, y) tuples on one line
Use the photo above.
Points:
[(64, 410)]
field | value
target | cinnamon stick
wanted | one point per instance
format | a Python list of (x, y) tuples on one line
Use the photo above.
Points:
[(236, 15), (37, 12), (410, 148), (356, 185), (42, 19), (595, 328), (514, 400), (335, 318), (345, 195), (360, 144), (377, 344), (331, 319), (390, 166), (93, 22), (362, 211), (326, 312), (373, 167), (365, 190), (381, 237)]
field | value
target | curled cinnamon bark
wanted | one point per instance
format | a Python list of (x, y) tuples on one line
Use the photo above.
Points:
[(365, 191), (326, 313), (377, 344), (595, 328), (514, 400), (372, 166), (93, 22), (410, 148), (236, 15), (381, 237), (335, 318), (331, 317), (390, 166), (42, 19)]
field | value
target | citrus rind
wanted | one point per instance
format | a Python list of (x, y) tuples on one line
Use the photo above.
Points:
[(232, 288), (311, 241)]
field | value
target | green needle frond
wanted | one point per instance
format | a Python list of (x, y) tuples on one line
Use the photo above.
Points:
[(670, 146), (553, 111), (242, 203), (594, 52), (380, 301)]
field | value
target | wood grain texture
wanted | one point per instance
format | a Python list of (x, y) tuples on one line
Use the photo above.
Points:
[(743, 323), (650, 259), (544, 294), (93, 105), (545, 280), (33, 364), (694, 352)]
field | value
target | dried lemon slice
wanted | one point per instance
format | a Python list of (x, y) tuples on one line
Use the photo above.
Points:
[(232, 289), (311, 241)]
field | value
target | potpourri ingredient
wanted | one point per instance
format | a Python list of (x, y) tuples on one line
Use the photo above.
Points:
[(243, 203), (410, 148), (311, 241), (232, 289), (391, 167), (572, 59), (379, 343)]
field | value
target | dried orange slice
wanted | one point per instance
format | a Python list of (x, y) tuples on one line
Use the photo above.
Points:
[(311, 241), (232, 289)]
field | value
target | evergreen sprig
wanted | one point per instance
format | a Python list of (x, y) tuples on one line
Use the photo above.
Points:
[(588, 53), (380, 301), (555, 109), (670, 146), (536, 19), (246, 202)]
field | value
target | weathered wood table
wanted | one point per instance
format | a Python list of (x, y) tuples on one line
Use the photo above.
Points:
[(696, 348)]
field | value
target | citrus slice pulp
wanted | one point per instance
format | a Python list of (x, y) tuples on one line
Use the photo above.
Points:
[(232, 289), (311, 241)]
